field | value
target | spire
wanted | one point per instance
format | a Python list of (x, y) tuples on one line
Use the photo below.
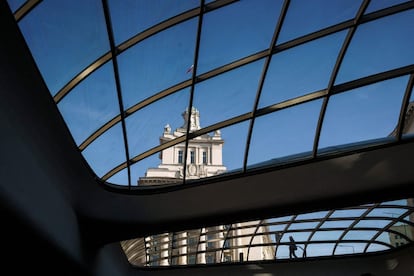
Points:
[(194, 119)]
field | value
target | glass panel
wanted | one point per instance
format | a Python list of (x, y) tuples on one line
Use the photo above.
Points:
[(274, 137), (157, 62), (324, 249), (409, 119), (229, 94), (120, 178), (350, 248), (378, 46), (90, 104), (303, 225), (386, 212), (15, 4), (130, 17), (373, 223), (384, 237), (365, 113), (107, 151), (157, 169), (375, 5), (326, 235), (226, 29), (377, 247), (280, 227), (280, 219), (314, 215), (301, 70), (157, 123), (360, 235), (402, 202), (62, 44), (315, 15), (337, 224), (348, 213), (234, 145)]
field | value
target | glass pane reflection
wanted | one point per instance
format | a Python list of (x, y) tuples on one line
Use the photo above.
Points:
[(362, 114), (130, 17), (273, 137), (375, 5), (378, 46), (107, 151), (228, 95), (301, 70), (75, 28), (230, 33), (90, 104), (315, 15), (157, 62)]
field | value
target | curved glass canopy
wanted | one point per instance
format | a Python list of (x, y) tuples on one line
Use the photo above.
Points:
[(353, 230), (159, 92)]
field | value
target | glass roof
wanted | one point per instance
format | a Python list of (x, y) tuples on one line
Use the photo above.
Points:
[(353, 230), (157, 92)]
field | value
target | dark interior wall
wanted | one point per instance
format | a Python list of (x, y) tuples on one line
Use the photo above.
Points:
[(39, 224)]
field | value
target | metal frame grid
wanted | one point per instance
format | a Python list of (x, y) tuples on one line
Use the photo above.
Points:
[(269, 234), (325, 94)]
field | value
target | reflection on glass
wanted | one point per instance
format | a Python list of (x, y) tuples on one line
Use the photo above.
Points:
[(315, 15), (274, 137), (157, 169), (231, 32), (378, 46), (120, 178), (65, 37), (301, 70), (107, 151), (130, 17), (375, 5), (90, 104), (157, 123), (362, 114), (157, 62), (229, 94), (386, 212)]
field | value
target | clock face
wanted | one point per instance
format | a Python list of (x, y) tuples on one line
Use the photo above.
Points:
[(192, 169)]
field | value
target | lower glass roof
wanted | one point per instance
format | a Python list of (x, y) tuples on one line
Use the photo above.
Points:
[(348, 231), (157, 92)]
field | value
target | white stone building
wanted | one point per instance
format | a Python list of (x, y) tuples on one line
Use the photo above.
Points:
[(225, 243)]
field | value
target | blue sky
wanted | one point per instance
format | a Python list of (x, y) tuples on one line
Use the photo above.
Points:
[(66, 36)]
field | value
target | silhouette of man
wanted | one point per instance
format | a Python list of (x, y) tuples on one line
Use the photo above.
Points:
[(292, 247)]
